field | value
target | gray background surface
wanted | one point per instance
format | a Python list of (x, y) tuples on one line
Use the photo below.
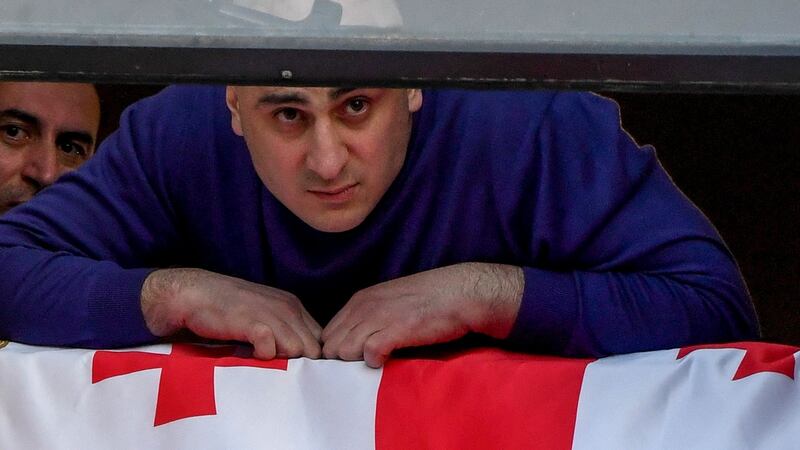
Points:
[(707, 26)]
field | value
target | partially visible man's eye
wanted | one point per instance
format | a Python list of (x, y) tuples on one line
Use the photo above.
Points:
[(72, 154), (356, 106), (72, 148)]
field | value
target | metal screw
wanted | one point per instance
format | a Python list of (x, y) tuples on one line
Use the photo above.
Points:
[(286, 74)]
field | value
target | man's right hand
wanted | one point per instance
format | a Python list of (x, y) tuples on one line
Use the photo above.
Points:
[(220, 307)]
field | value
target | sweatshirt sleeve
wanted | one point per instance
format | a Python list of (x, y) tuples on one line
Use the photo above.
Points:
[(622, 260), (73, 259)]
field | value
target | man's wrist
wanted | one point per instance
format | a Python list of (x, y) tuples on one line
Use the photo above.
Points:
[(497, 291), (161, 299)]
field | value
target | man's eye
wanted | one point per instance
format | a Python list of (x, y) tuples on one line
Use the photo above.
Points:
[(72, 148), (288, 115), (356, 106), (14, 132)]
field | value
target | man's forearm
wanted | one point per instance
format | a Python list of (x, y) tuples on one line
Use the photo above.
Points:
[(56, 299), (583, 313), (497, 290)]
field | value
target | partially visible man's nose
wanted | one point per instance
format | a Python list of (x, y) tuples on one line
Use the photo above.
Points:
[(329, 153), (41, 167)]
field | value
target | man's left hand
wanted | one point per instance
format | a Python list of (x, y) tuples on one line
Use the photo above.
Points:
[(430, 307)]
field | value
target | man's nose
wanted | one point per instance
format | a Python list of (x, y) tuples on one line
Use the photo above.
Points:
[(329, 152), (41, 166)]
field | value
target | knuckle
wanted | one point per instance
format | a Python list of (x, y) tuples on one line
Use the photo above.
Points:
[(352, 352), (361, 297), (329, 352), (260, 332), (263, 352), (289, 299), (376, 345), (279, 306), (289, 310), (315, 330), (351, 355), (291, 348), (325, 335), (314, 353)]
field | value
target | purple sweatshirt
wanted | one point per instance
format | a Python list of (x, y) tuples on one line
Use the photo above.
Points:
[(615, 258)]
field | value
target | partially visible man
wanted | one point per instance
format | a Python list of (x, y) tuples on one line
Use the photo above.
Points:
[(46, 130)]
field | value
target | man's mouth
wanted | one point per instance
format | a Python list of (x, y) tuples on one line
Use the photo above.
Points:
[(339, 194)]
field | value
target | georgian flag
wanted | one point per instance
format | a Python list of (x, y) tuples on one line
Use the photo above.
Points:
[(726, 396)]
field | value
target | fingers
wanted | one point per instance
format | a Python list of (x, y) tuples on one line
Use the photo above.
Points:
[(344, 336), (380, 344), (272, 320), (309, 335), (263, 340), (280, 340), (289, 340), (357, 336), (337, 322), (270, 338), (312, 325), (299, 334), (347, 344), (336, 330), (375, 338), (378, 347), (294, 333), (363, 342)]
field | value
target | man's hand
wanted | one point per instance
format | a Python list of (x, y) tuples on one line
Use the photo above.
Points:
[(226, 308), (430, 307)]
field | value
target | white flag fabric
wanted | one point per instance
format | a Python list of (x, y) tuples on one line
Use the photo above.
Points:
[(49, 401), (182, 396), (692, 399)]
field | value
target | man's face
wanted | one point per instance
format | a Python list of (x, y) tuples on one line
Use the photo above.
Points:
[(46, 129), (327, 154)]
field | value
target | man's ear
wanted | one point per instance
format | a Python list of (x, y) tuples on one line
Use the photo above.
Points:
[(232, 100), (414, 100)]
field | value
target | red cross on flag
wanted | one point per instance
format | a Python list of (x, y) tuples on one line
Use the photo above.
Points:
[(727, 396)]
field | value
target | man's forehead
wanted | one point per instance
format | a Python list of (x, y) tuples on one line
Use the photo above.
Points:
[(67, 107), (31, 91), (283, 94), (311, 90)]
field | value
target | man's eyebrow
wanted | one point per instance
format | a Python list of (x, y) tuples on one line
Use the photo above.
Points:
[(339, 92), (278, 98), (22, 116), (80, 136)]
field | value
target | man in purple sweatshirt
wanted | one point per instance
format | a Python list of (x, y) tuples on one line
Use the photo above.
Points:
[(348, 223)]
